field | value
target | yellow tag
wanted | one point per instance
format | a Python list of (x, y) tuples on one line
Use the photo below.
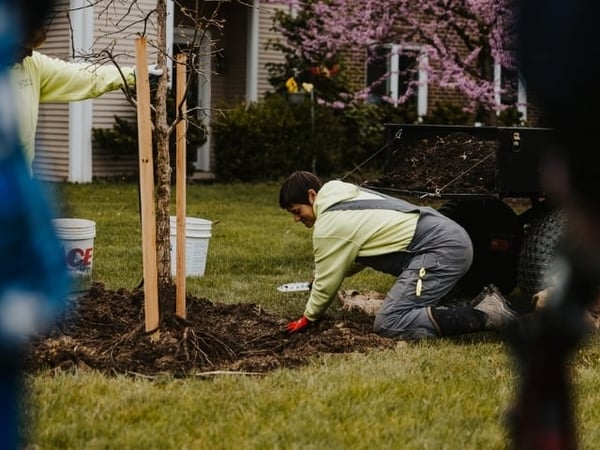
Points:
[(420, 281)]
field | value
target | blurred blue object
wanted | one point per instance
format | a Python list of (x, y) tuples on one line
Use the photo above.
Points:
[(34, 282)]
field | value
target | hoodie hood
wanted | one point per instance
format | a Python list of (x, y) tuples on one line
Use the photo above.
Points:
[(334, 192)]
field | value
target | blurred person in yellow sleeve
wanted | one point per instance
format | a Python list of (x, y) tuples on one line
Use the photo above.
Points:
[(38, 78)]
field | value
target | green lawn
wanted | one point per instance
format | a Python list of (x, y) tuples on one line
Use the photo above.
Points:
[(443, 394)]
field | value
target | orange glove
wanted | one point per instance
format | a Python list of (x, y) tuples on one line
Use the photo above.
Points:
[(298, 325)]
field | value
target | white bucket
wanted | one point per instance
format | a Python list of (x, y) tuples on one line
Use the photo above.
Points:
[(197, 234), (77, 237)]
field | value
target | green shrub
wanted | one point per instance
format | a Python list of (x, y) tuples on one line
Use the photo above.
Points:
[(122, 138), (452, 114), (270, 138), (449, 114), (511, 117)]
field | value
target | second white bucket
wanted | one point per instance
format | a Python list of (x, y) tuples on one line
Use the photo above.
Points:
[(77, 238), (197, 236)]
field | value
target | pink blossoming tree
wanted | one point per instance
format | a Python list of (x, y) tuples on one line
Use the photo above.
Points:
[(462, 42)]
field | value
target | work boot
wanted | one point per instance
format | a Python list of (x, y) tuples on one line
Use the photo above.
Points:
[(498, 314), (457, 319)]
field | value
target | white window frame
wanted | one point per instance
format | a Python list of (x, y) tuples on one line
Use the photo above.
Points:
[(422, 77), (521, 92)]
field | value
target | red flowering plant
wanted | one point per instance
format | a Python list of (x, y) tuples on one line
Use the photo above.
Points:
[(321, 80), (325, 71)]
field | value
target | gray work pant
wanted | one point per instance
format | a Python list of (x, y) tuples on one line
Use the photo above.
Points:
[(437, 258)]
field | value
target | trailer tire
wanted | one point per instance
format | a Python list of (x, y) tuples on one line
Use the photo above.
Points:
[(496, 234), (541, 236)]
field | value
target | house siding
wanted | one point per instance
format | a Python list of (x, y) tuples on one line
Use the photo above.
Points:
[(267, 55), (107, 162), (52, 139)]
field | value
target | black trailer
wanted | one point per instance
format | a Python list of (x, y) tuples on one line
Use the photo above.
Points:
[(513, 247)]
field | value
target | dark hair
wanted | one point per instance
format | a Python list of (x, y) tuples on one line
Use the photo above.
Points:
[(294, 189), (29, 19), (35, 14)]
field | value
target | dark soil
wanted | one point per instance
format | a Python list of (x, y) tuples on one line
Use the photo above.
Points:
[(105, 330), (454, 163)]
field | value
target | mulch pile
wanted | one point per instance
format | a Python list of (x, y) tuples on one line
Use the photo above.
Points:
[(105, 331), (453, 163)]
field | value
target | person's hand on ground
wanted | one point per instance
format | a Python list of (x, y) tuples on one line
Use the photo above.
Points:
[(298, 325)]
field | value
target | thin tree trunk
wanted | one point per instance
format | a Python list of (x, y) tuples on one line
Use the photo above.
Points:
[(163, 168)]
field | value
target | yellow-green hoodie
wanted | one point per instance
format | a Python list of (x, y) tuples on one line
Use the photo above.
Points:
[(339, 237), (41, 79)]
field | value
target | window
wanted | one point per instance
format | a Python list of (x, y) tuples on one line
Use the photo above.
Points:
[(397, 73), (510, 90)]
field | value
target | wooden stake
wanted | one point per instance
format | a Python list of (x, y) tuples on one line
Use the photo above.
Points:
[(146, 164), (180, 195)]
